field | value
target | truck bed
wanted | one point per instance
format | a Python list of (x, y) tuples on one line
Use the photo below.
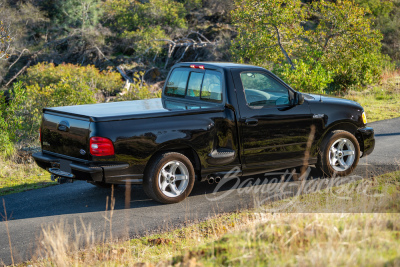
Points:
[(137, 109)]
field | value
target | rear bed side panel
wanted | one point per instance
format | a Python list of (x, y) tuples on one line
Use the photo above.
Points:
[(136, 141)]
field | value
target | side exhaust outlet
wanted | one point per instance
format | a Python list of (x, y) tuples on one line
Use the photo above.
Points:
[(211, 180), (217, 179)]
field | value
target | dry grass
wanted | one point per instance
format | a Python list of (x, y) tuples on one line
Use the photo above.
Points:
[(258, 236), (309, 240), (388, 76), (380, 101), (18, 177)]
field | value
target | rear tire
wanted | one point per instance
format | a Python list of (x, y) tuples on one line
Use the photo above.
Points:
[(169, 178), (339, 154)]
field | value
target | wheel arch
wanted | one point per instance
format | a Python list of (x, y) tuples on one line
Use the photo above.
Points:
[(347, 125), (182, 148)]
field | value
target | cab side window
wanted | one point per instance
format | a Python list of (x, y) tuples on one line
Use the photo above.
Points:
[(262, 90)]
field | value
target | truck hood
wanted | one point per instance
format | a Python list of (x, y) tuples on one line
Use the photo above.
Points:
[(137, 109), (331, 100)]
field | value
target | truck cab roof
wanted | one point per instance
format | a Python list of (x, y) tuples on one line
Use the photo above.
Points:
[(221, 65)]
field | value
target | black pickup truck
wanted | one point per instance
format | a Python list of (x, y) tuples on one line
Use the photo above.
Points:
[(212, 117)]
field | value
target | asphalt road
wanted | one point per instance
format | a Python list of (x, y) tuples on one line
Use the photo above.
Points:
[(135, 215)]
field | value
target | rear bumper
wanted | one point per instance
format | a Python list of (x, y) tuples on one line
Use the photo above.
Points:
[(89, 171), (366, 139)]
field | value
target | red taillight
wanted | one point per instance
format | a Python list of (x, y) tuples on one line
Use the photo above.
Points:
[(40, 135), (100, 146), (197, 66)]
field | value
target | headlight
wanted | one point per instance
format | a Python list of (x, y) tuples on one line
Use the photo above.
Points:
[(364, 118)]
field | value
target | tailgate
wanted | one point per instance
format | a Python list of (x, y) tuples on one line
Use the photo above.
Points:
[(66, 135)]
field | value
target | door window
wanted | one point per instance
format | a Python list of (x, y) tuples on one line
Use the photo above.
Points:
[(262, 90)]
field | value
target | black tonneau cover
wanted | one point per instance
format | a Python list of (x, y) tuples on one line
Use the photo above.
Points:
[(137, 109)]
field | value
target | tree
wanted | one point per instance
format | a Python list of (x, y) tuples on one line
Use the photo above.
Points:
[(76, 13), (5, 39), (140, 23), (313, 46), (269, 30), (386, 18)]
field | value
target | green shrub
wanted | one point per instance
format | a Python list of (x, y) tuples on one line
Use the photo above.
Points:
[(126, 15), (6, 146), (80, 77), (139, 90), (139, 23), (144, 40), (73, 13), (306, 77), (12, 119), (47, 85)]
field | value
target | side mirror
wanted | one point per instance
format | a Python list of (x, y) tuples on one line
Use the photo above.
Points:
[(299, 98)]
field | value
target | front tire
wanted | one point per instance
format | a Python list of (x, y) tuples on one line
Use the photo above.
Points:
[(339, 154), (169, 178)]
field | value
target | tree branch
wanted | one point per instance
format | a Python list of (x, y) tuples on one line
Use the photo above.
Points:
[(18, 58), (283, 49), (183, 54), (187, 43), (123, 74), (19, 72)]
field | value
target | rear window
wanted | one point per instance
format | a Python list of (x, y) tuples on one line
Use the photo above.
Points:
[(194, 85), (176, 85), (206, 85)]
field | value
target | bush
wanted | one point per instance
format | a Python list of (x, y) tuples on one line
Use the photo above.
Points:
[(306, 77), (73, 13), (6, 146), (126, 15), (139, 23), (144, 40), (47, 85), (139, 90), (12, 119), (78, 77)]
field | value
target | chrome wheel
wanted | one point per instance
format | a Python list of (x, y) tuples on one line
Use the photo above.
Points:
[(173, 178), (342, 154)]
